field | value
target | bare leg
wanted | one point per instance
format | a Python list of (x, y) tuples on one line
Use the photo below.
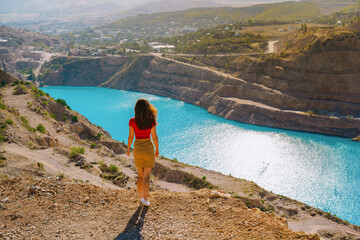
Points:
[(146, 184), (140, 181)]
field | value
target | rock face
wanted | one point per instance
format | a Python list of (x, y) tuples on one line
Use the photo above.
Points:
[(90, 72), (58, 110), (317, 91), (115, 146)]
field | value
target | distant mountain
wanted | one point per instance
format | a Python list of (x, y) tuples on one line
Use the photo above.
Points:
[(41, 6), (207, 17), (38, 6), (179, 5), (172, 5)]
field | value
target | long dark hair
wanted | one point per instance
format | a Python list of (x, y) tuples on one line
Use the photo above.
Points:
[(145, 114)]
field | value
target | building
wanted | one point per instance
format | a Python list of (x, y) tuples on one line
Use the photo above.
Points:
[(113, 33), (188, 29), (158, 48), (153, 44)]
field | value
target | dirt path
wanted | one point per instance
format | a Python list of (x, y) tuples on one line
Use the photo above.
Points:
[(226, 75), (54, 164), (316, 224), (45, 56), (271, 46)]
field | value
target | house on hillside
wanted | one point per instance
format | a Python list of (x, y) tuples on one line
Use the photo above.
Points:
[(188, 29), (158, 48)]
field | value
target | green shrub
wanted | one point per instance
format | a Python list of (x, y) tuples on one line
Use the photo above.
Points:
[(113, 168), (64, 118), (24, 120), (76, 151), (61, 176), (3, 126), (40, 165), (98, 136), (26, 124), (74, 118), (2, 161), (204, 178), (38, 92), (2, 138), (16, 82), (92, 145), (41, 128), (63, 102), (9, 121), (2, 106)]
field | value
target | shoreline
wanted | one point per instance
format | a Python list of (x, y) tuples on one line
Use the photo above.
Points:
[(229, 119)]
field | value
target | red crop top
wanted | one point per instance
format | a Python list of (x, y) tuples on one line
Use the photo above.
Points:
[(140, 134)]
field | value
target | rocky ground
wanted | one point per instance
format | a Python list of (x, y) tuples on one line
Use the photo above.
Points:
[(69, 180), (60, 209)]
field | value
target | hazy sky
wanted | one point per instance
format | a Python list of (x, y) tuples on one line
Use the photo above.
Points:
[(12, 6), (16, 6)]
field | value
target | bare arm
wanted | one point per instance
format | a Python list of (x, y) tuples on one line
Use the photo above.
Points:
[(130, 140), (155, 140)]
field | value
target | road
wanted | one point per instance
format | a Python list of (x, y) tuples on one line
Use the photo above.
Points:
[(271, 46)]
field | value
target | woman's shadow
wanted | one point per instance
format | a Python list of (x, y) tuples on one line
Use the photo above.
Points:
[(135, 225)]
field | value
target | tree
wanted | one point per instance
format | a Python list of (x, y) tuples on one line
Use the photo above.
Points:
[(304, 28), (32, 76)]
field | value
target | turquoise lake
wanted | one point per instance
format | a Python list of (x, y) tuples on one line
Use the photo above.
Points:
[(322, 171)]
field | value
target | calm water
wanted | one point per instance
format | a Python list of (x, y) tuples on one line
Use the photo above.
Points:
[(320, 170)]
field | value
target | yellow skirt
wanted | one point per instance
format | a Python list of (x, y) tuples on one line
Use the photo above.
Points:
[(144, 154)]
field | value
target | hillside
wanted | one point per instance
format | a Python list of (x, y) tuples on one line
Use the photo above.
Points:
[(23, 52), (174, 23), (345, 15), (171, 5), (220, 39), (22, 39), (62, 176), (167, 23)]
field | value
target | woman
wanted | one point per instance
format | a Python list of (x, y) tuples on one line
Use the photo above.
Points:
[(143, 125)]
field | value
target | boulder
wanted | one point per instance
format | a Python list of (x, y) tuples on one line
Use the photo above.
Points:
[(58, 110), (115, 146), (84, 131)]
